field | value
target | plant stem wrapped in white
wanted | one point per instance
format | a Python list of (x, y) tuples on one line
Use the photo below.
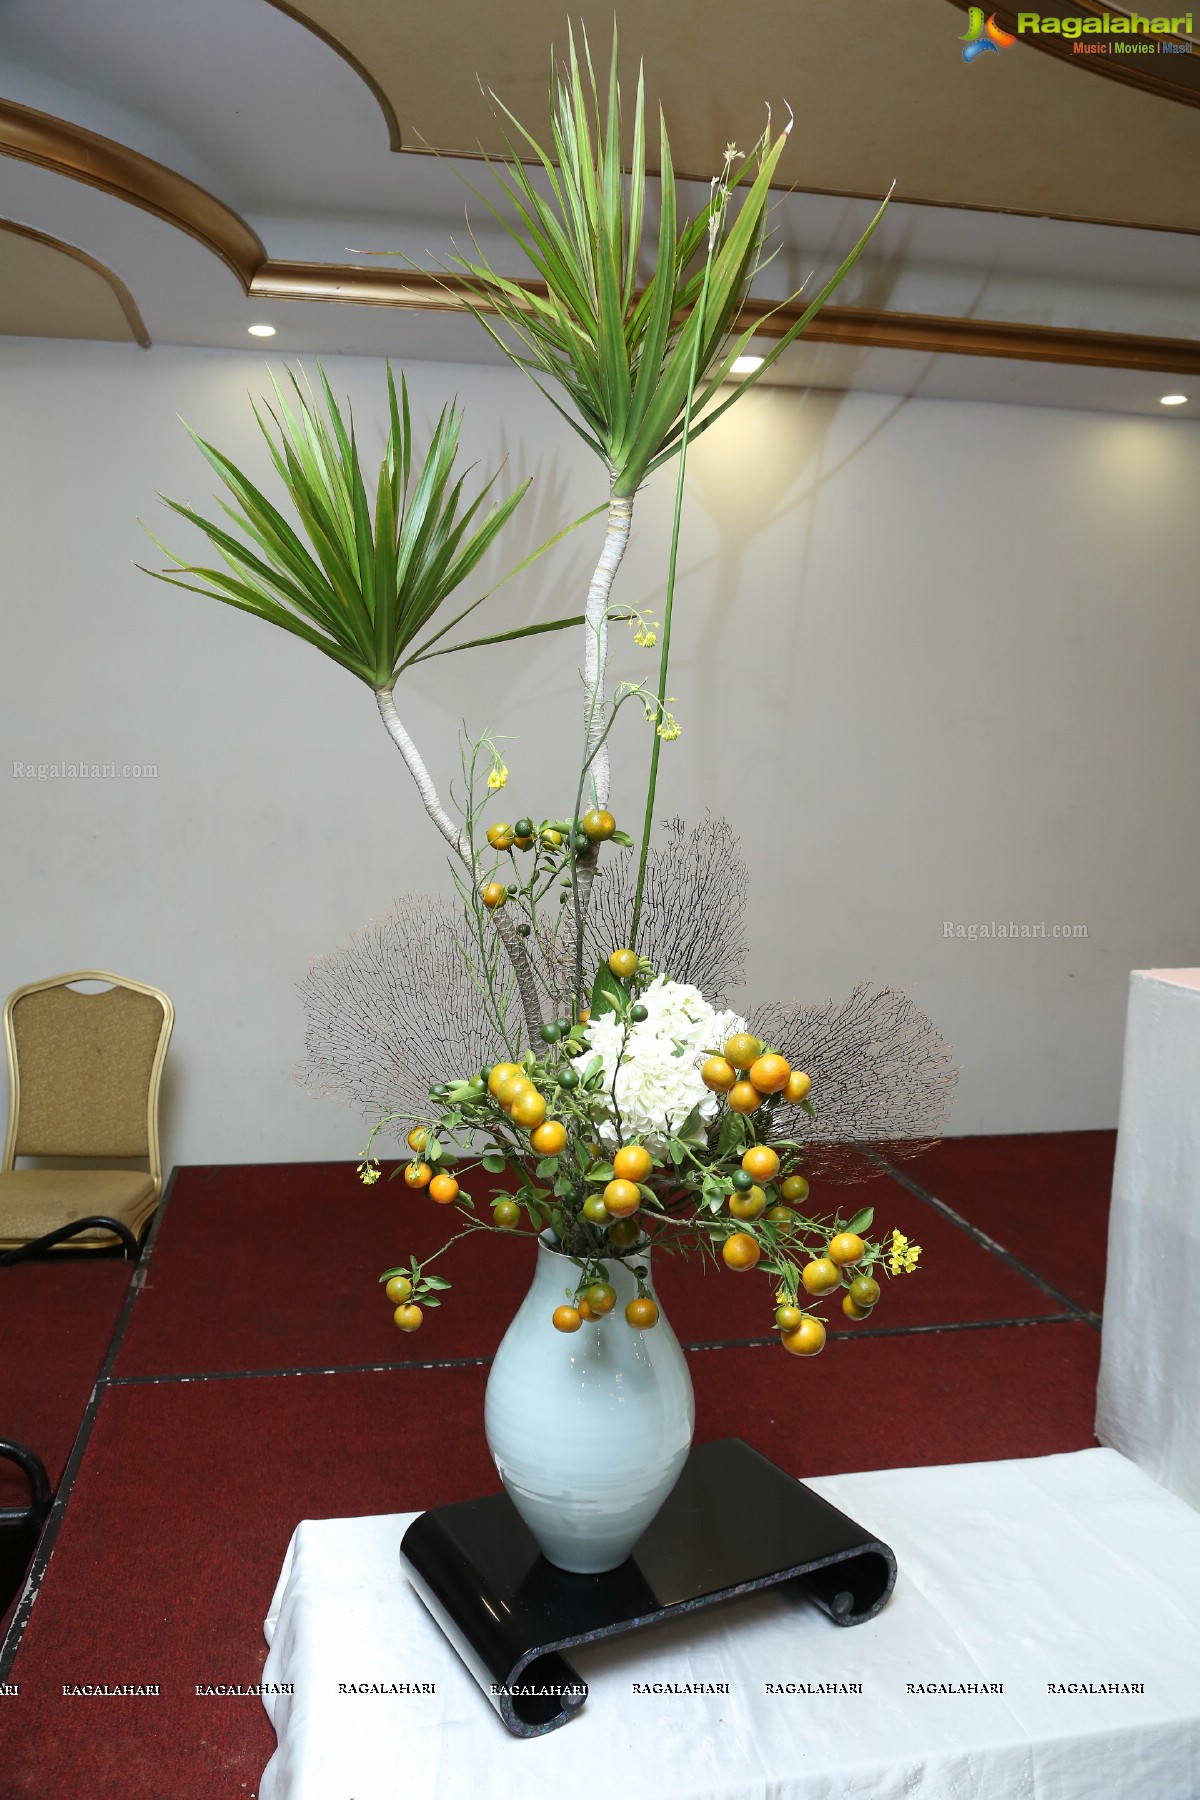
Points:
[(652, 1069)]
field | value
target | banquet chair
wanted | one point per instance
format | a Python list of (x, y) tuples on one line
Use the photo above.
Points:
[(84, 1071)]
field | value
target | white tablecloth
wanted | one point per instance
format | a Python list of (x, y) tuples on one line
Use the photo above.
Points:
[(1063, 1569), (1148, 1403)]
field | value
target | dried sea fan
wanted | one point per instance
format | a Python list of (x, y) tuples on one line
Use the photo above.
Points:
[(881, 1077), (396, 1010), (693, 924), (393, 1012)]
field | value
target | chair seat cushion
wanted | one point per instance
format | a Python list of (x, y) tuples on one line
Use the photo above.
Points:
[(35, 1201)]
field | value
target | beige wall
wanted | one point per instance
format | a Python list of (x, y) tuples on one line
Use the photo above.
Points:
[(938, 661)]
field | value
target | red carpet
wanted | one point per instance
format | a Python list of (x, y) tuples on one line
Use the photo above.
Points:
[(1044, 1198), (56, 1319), (263, 1267), (139, 1592)]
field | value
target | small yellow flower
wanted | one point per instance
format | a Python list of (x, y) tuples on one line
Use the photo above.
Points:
[(669, 728), (645, 638), (497, 776), (368, 1171), (897, 1252), (910, 1258)]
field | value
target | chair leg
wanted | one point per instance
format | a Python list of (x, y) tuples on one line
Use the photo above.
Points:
[(64, 1232)]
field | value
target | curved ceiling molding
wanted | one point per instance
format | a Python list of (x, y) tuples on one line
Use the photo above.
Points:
[(85, 156), (82, 321), (864, 327), (101, 162), (360, 69), (1183, 84)]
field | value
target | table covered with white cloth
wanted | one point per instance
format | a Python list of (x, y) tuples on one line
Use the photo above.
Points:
[(1042, 1643)]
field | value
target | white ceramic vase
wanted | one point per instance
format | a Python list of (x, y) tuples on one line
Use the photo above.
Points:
[(589, 1429)]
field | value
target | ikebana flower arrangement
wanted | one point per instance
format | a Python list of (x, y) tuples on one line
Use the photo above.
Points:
[(653, 1120), (621, 1113)]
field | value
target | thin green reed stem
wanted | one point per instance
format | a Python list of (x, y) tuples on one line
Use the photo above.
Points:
[(669, 606)]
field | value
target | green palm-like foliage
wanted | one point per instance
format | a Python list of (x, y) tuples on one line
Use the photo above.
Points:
[(625, 358), (370, 582)]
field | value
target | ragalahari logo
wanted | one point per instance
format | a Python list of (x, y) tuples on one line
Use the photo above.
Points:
[(983, 34)]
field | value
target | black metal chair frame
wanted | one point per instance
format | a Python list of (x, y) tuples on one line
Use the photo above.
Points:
[(21, 1526), (64, 1232)]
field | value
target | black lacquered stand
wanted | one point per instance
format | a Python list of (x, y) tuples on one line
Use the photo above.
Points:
[(508, 1612)]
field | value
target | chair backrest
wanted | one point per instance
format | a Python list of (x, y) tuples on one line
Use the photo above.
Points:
[(84, 1069)]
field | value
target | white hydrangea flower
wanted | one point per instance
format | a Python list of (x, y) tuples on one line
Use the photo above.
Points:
[(652, 1070)]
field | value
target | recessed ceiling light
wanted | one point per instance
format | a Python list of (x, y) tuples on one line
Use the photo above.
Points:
[(745, 365), (261, 330), (1173, 400)]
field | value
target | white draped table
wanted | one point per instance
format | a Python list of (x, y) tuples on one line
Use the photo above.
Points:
[(1148, 1405), (1017, 1579)]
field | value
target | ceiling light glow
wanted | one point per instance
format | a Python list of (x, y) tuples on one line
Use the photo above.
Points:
[(261, 330), (745, 365), (1173, 400)]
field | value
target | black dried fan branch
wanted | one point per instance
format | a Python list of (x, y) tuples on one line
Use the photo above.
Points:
[(693, 925), (881, 1077), (393, 1013)]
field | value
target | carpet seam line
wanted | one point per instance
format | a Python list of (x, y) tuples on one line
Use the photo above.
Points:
[(990, 1244), (44, 1548)]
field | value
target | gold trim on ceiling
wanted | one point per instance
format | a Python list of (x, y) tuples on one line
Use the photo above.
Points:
[(124, 298), (1129, 71), (83, 155), (395, 142), (864, 327), (101, 162)]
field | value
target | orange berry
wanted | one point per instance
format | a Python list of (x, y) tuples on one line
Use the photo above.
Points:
[(567, 1318), (528, 1107), (623, 963), (549, 1138), (417, 1138), (500, 1072), (847, 1247), (795, 1188), (642, 1313), (821, 1276), (621, 1198), (417, 1174), (632, 1163), (509, 1086), (770, 1073), (761, 1162), (852, 1309), (744, 1097), (717, 1074), (443, 1189), (740, 1251), (808, 1339), (408, 1318), (750, 1205), (742, 1049), (798, 1084), (493, 895)]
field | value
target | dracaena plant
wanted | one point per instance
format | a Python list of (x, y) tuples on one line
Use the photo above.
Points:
[(377, 567), (638, 373)]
